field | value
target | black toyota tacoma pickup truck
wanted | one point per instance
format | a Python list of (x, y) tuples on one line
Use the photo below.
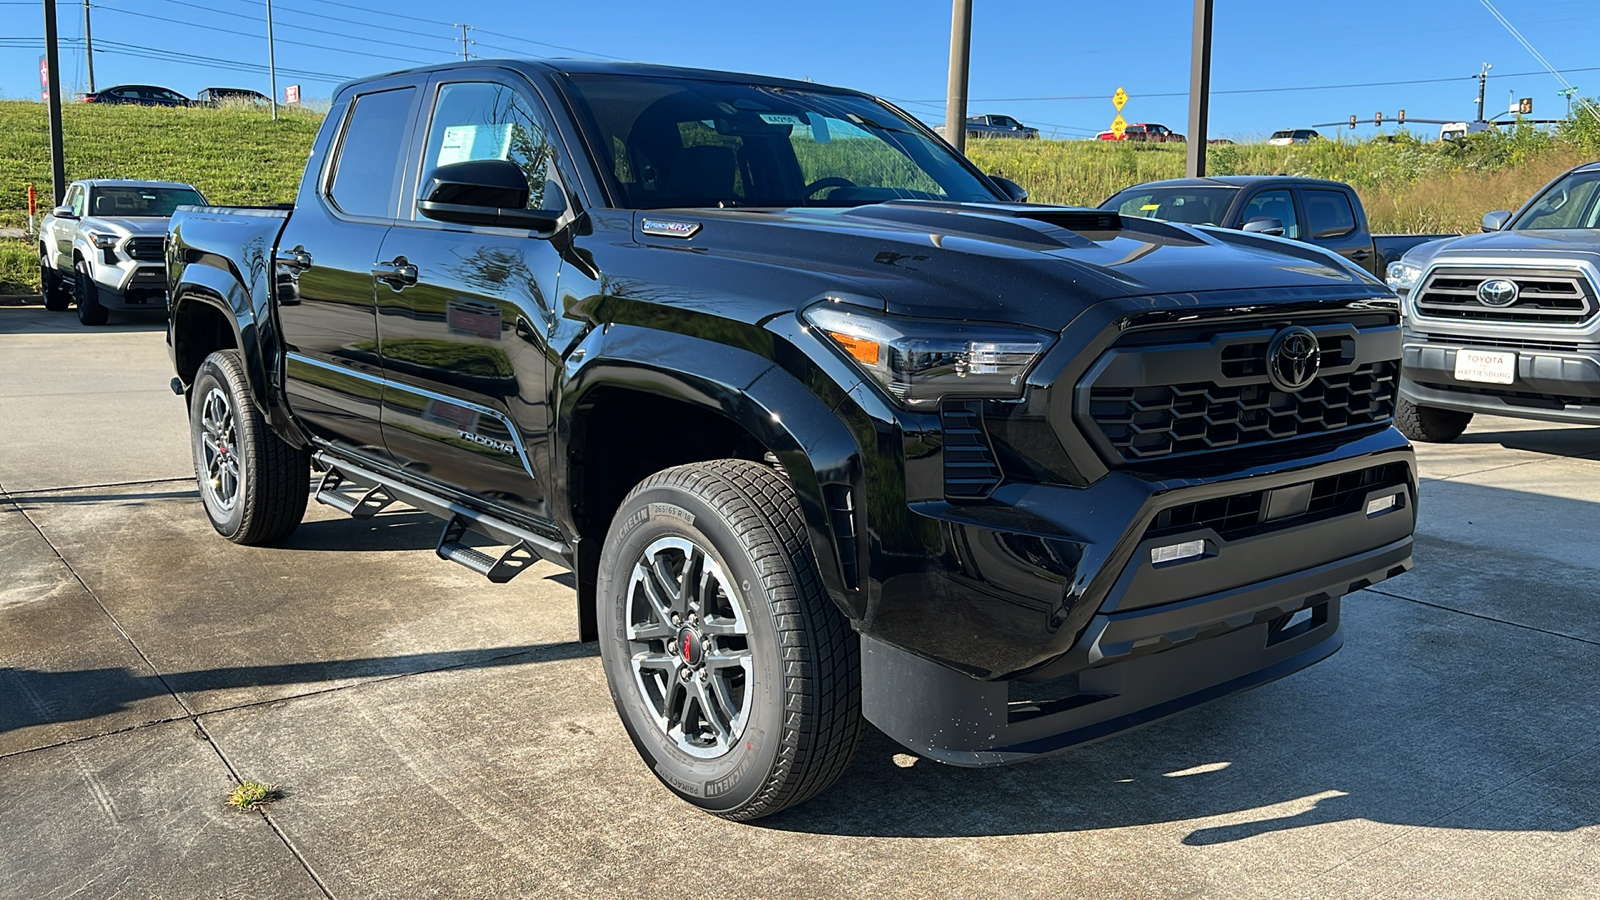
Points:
[(830, 428)]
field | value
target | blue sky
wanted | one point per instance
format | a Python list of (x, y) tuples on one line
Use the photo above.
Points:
[(1021, 50)]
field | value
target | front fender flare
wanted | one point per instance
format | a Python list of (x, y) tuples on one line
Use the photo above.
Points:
[(815, 448)]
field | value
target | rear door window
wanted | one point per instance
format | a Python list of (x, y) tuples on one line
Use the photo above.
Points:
[(1274, 204), (366, 177), (1329, 213)]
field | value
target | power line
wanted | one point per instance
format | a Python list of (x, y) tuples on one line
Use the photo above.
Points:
[(280, 24), (249, 34), (1536, 54)]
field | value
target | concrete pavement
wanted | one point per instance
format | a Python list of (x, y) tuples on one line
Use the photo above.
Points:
[(439, 736)]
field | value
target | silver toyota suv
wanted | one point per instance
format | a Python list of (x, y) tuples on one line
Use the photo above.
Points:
[(104, 247), (1505, 322)]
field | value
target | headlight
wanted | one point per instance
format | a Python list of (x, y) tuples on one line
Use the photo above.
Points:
[(922, 361), (102, 240), (1402, 275)]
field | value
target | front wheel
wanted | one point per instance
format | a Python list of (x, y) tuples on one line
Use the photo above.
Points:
[(1429, 424), (90, 312), (253, 484), (736, 676)]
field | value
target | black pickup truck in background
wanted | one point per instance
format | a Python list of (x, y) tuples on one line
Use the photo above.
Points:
[(1326, 214), (830, 429)]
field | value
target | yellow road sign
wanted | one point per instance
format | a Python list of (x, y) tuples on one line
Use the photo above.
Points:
[(1118, 126), (1119, 98)]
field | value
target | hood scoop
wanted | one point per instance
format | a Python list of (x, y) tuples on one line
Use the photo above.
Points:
[(1002, 223)]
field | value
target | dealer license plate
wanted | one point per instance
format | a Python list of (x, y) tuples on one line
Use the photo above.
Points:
[(1486, 366)]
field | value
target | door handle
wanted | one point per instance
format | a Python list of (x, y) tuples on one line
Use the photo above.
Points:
[(398, 274), (296, 260), (1361, 254)]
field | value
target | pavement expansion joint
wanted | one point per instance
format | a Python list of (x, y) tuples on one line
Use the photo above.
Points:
[(1451, 609), (87, 487)]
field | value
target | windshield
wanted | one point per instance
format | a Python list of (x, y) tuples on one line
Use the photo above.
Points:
[(1569, 203), (1189, 205), (676, 142), (130, 202)]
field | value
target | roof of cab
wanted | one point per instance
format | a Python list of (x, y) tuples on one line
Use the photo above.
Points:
[(1237, 181), (130, 182), (606, 67)]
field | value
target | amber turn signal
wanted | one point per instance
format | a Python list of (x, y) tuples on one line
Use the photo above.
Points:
[(860, 349)]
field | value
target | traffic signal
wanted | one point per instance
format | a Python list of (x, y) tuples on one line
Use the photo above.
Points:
[(1378, 119), (1525, 106), (1352, 121), (1402, 117)]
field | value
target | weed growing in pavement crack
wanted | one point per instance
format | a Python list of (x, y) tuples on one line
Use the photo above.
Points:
[(251, 794)]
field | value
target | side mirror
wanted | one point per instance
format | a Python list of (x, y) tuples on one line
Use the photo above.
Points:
[(1264, 225), (63, 212), (482, 192), (1496, 220), (1013, 191)]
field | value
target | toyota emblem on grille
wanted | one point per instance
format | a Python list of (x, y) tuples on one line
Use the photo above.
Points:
[(1498, 292), (1293, 358)]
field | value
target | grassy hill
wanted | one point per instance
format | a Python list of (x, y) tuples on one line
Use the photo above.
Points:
[(241, 156)]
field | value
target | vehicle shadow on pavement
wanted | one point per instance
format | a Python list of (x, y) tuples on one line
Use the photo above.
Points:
[(38, 320), (1557, 441), (48, 698)]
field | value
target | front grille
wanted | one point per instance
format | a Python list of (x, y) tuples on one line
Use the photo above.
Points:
[(970, 469), (1240, 515), (1450, 340), (147, 249), (1164, 421), (1544, 296)]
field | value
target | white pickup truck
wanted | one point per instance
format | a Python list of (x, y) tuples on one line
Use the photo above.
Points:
[(104, 247)]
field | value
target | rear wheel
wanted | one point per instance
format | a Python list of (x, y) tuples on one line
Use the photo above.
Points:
[(1429, 424), (253, 484), (90, 312), (56, 297), (736, 676)]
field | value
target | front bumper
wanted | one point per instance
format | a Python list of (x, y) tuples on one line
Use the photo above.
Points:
[(1048, 625), (129, 284), (1555, 381)]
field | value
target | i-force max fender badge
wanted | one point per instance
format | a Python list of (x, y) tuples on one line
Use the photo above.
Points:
[(673, 228)]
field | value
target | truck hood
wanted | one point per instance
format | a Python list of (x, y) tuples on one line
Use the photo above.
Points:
[(141, 226), (1021, 263), (1576, 244)]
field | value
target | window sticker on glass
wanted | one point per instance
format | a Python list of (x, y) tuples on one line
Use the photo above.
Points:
[(463, 143)]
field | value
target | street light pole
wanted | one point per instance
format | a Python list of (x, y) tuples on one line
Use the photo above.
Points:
[(52, 60), (955, 103), (88, 44), (272, 65), (1199, 90)]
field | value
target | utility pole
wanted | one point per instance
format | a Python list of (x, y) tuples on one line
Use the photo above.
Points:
[(1199, 89), (1483, 84), (88, 44), (272, 65), (52, 59), (955, 101), (464, 41)]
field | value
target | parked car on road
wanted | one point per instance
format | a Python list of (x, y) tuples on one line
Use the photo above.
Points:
[(137, 95), (998, 126), (828, 427), (214, 96), (104, 247), (1290, 136), (1327, 214), (1506, 322), (1143, 131)]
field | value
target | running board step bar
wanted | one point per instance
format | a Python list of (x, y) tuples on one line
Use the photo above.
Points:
[(362, 493), (511, 563)]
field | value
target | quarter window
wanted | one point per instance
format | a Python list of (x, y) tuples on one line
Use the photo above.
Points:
[(483, 120), (1273, 205), (1329, 213), (366, 174)]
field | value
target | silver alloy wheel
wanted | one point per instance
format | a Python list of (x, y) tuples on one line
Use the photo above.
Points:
[(688, 638), (218, 437)]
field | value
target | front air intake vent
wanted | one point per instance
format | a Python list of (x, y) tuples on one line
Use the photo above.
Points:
[(970, 469), (1077, 219)]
